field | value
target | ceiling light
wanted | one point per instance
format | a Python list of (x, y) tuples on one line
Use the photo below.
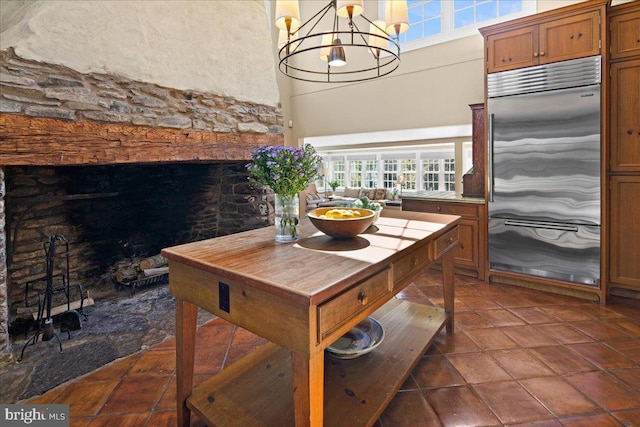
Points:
[(351, 47)]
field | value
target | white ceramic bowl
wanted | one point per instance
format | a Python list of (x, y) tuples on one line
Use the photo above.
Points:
[(360, 340)]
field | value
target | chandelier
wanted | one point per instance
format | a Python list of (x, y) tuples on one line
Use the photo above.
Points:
[(354, 49)]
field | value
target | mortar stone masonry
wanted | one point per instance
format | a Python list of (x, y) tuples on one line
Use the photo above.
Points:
[(47, 90), (44, 91)]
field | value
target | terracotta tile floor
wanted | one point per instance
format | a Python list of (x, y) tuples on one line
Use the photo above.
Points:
[(518, 357)]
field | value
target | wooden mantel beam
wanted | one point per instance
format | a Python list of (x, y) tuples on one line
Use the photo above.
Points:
[(38, 141)]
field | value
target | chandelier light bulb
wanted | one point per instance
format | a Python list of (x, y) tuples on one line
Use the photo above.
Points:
[(349, 8), (337, 57), (396, 17), (288, 15)]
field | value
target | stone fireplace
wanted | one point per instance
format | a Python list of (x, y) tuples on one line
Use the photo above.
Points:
[(120, 167)]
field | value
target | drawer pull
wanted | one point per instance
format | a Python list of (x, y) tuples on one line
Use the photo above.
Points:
[(450, 240), (438, 208), (362, 298)]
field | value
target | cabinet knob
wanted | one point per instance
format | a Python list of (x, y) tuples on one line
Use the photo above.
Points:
[(450, 240), (542, 53), (438, 208), (362, 298), (630, 132), (535, 54)]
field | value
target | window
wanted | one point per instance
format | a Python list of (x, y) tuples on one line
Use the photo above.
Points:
[(339, 172), (408, 170), (371, 173), (430, 167), (355, 173), (436, 21), (449, 174), (390, 173), (431, 179)]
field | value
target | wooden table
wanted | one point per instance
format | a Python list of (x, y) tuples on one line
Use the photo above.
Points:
[(302, 297)]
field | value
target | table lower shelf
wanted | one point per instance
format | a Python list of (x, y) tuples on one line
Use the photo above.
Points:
[(257, 390)]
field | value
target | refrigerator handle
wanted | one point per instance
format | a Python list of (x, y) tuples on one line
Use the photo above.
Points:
[(549, 226), (490, 157)]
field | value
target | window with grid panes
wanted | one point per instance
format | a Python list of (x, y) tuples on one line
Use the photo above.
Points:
[(436, 21), (390, 173), (355, 173), (408, 170), (431, 171), (339, 172), (449, 175), (371, 173)]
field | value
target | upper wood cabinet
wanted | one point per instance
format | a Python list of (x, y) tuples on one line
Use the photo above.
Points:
[(625, 35), (566, 33), (513, 49)]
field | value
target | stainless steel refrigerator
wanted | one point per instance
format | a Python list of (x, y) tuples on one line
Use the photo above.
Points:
[(544, 170)]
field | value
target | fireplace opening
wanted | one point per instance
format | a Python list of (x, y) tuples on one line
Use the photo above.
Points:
[(117, 213)]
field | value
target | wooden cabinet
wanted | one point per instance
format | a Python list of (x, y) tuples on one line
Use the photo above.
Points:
[(566, 33), (470, 254), (625, 35), (625, 116), (625, 232), (624, 151), (513, 49), (474, 181)]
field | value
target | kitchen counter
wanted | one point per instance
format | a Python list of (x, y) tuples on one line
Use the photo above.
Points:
[(443, 196)]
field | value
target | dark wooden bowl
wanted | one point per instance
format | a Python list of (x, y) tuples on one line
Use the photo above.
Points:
[(345, 227)]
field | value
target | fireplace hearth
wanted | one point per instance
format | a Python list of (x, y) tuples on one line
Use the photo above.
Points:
[(114, 213), (121, 168)]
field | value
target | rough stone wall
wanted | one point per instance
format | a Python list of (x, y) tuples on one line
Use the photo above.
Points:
[(46, 90), (111, 213), (38, 89), (5, 343)]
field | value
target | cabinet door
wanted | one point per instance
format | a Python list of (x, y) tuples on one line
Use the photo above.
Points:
[(512, 49), (625, 231), (466, 254), (625, 35), (569, 38), (625, 113)]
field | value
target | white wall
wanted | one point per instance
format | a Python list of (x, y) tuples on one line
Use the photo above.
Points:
[(432, 87), (217, 46)]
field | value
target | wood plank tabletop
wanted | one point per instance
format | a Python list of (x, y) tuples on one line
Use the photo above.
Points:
[(317, 266)]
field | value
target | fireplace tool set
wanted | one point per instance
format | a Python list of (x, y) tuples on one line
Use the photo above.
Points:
[(69, 319)]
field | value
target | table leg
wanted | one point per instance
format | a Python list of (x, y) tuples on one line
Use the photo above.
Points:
[(448, 286), (186, 319), (308, 389)]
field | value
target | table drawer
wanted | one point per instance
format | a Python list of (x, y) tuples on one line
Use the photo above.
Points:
[(409, 264), (445, 242), (336, 311), (451, 208)]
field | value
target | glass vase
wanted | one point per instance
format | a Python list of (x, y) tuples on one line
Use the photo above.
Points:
[(287, 217)]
